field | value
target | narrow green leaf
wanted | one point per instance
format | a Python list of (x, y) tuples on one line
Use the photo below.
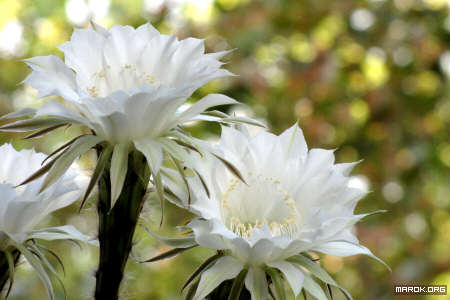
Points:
[(43, 131), (55, 256), (26, 112), (168, 254), (277, 281), (205, 186), (244, 120), (32, 124), (11, 269), (61, 148), (192, 290), (201, 268), (313, 288), (79, 147), (183, 242), (183, 176), (99, 168), (304, 294), (160, 192), (215, 113), (186, 145), (317, 271), (119, 166), (37, 266), (330, 291), (237, 286), (231, 167)]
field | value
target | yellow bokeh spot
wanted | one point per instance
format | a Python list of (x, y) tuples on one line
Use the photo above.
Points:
[(9, 10), (359, 110), (357, 83), (201, 11), (444, 153), (351, 52), (427, 83), (375, 70), (435, 4), (230, 4), (268, 54), (301, 49), (49, 32), (326, 32)]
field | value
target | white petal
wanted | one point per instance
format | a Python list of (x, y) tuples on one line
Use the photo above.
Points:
[(203, 104), (344, 248), (293, 274), (51, 77), (256, 283), (293, 142), (225, 268), (346, 168), (119, 166), (65, 232), (314, 288), (61, 111), (153, 153), (204, 236)]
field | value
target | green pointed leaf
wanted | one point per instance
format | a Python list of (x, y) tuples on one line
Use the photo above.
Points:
[(205, 186), (26, 112), (317, 271), (183, 242), (169, 254), (277, 281), (99, 168), (160, 192), (43, 131), (11, 269), (201, 268), (231, 168), (192, 290), (65, 145), (237, 286), (183, 176), (32, 124), (313, 288), (244, 120), (119, 166), (38, 268), (79, 147)]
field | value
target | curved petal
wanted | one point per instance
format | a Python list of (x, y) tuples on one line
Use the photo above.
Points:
[(293, 274), (256, 283), (225, 268), (51, 77)]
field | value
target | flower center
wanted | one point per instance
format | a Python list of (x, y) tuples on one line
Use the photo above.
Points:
[(260, 202), (125, 78)]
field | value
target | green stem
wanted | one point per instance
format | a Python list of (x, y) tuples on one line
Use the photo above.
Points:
[(4, 268), (117, 226)]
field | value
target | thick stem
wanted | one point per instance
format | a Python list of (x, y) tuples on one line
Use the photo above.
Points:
[(117, 226), (4, 268)]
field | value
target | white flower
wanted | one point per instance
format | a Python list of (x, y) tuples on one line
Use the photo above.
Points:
[(127, 85), (293, 200), (24, 207)]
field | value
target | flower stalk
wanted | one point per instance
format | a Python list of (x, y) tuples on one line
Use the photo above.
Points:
[(117, 225)]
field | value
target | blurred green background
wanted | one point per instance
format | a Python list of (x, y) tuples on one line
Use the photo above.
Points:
[(367, 78)]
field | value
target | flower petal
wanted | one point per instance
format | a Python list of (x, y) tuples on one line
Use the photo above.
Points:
[(293, 274), (51, 77), (225, 268), (256, 283), (153, 152), (119, 166)]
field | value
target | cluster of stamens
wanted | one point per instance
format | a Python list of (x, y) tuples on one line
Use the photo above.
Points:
[(138, 78), (287, 226)]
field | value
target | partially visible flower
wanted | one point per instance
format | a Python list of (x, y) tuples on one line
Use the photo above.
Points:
[(23, 208), (293, 201), (127, 86)]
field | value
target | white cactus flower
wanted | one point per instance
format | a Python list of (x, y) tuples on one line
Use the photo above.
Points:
[(127, 86), (293, 200), (22, 208)]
